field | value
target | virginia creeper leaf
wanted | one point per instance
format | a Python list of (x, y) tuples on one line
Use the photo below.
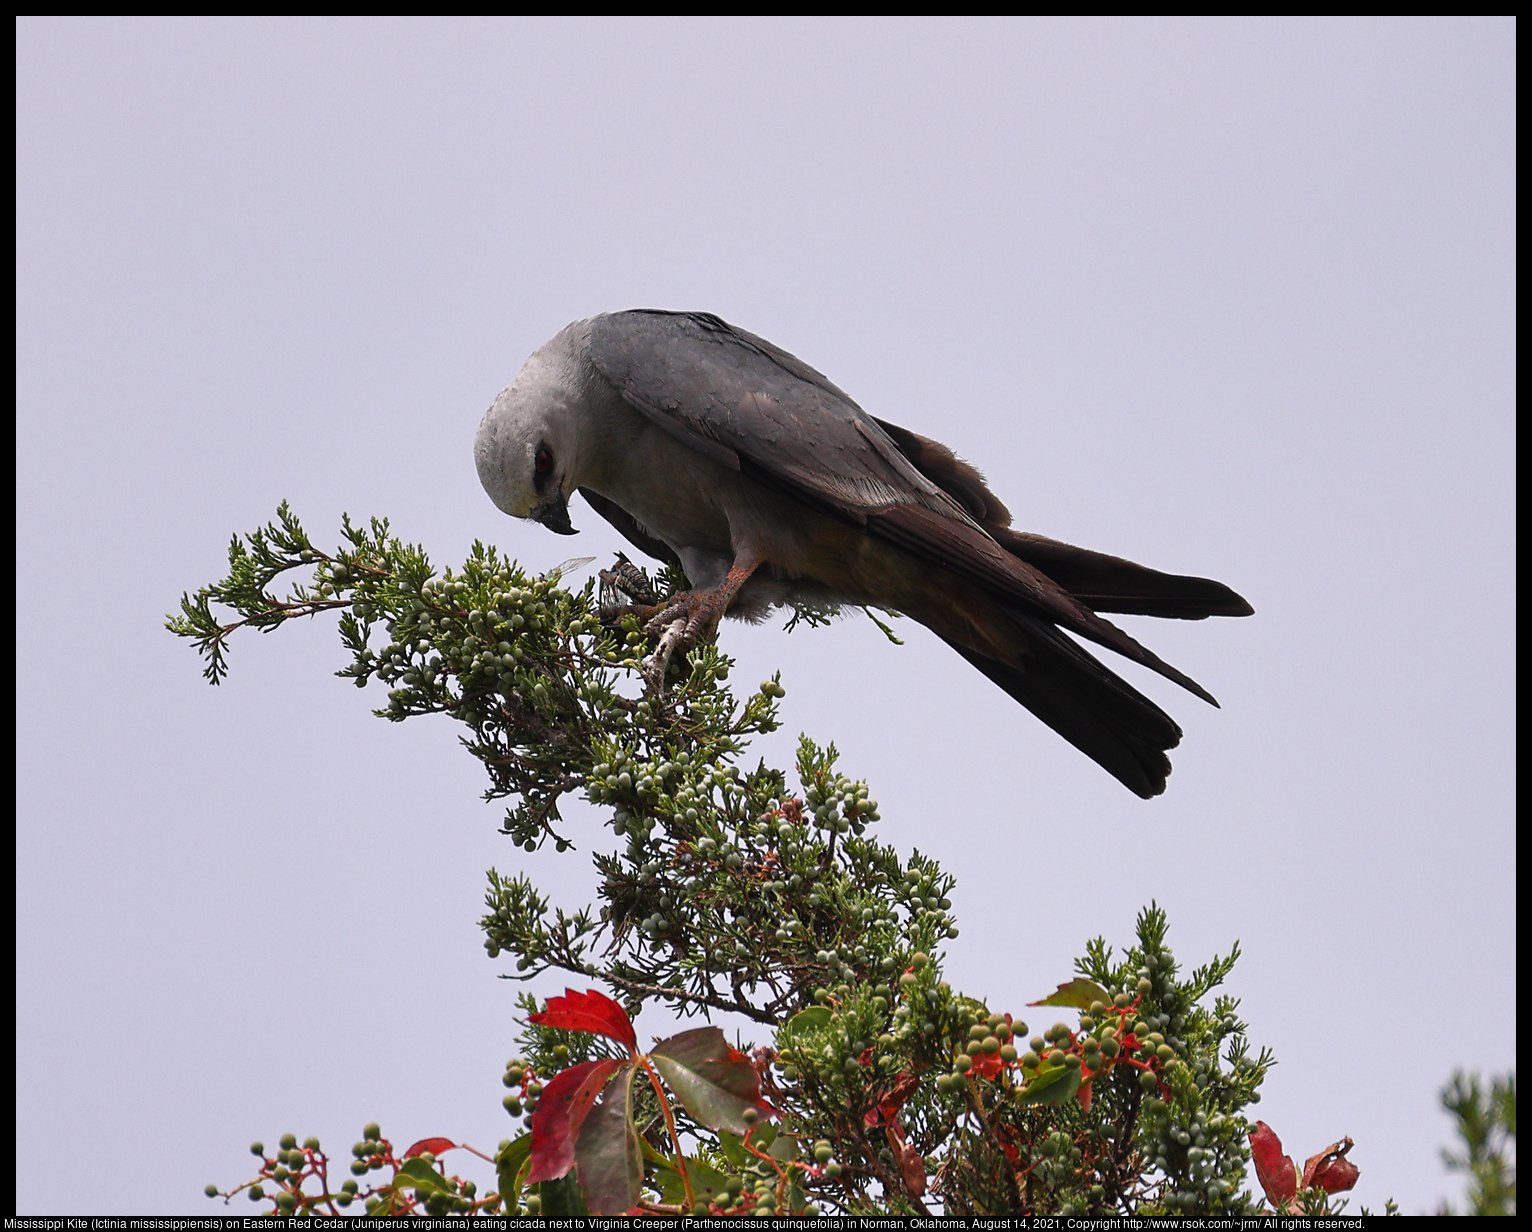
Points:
[(707, 1182), (561, 1110), (1077, 994), (715, 1082), (391, 1198), (1275, 1171), (588, 1011), (815, 1018), (912, 1164), (562, 1199), (1330, 1170), (1052, 1086), (435, 1145), (418, 1175), (905, 1085), (610, 1161), (733, 1145), (733, 1148), (511, 1167), (988, 1065)]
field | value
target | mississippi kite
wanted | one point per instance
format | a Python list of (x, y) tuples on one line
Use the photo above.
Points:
[(713, 449)]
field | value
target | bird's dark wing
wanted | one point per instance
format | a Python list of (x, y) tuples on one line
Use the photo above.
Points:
[(1103, 583), (752, 406), (1092, 707)]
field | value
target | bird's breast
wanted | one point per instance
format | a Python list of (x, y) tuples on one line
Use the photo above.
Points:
[(676, 494)]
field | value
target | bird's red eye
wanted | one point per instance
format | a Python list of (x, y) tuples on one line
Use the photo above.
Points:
[(543, 462)]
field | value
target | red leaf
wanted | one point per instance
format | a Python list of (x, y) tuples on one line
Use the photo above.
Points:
[(904, 1086), (435, 1145), (1276, 1172), (988, 1065), (588, 1011), (1330, 1170), (561, 1110), (912, 1164)]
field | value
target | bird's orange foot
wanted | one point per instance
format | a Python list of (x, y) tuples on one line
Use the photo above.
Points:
[(700, 612), (687, 619), (680, 624)]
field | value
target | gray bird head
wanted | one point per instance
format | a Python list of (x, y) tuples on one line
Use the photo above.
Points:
[(529, 447)]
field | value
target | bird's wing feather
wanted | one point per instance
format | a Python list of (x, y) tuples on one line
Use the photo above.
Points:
[(737, 398), (977, 555), (1103, 583), (743, 401), (1102, 715)]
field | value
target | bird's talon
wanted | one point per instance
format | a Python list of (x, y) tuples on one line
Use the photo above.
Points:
[(654, 668), (611, 616), (688, 607)]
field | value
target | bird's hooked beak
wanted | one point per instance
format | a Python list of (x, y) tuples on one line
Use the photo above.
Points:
[(554, 514)]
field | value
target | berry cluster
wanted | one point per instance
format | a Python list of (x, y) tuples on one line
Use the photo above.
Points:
[(296, 1180), (524, 1089)]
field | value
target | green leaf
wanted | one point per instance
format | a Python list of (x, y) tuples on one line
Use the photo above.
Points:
[(1051, 1086), (510, 1168), (804, 1022), (562, 1199), (420, 1176), (608, 1156), (733, 1148), (707, 1182), (1077, 994), (714, 1081)]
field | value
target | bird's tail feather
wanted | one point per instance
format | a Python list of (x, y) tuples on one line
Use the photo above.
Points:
[(1110, 584), (1103, 583), (1094, 709)]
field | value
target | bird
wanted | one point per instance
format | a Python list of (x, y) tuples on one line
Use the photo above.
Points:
[(709, 448)]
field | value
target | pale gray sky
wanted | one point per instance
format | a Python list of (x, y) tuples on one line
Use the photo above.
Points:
[(1229, 297)]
